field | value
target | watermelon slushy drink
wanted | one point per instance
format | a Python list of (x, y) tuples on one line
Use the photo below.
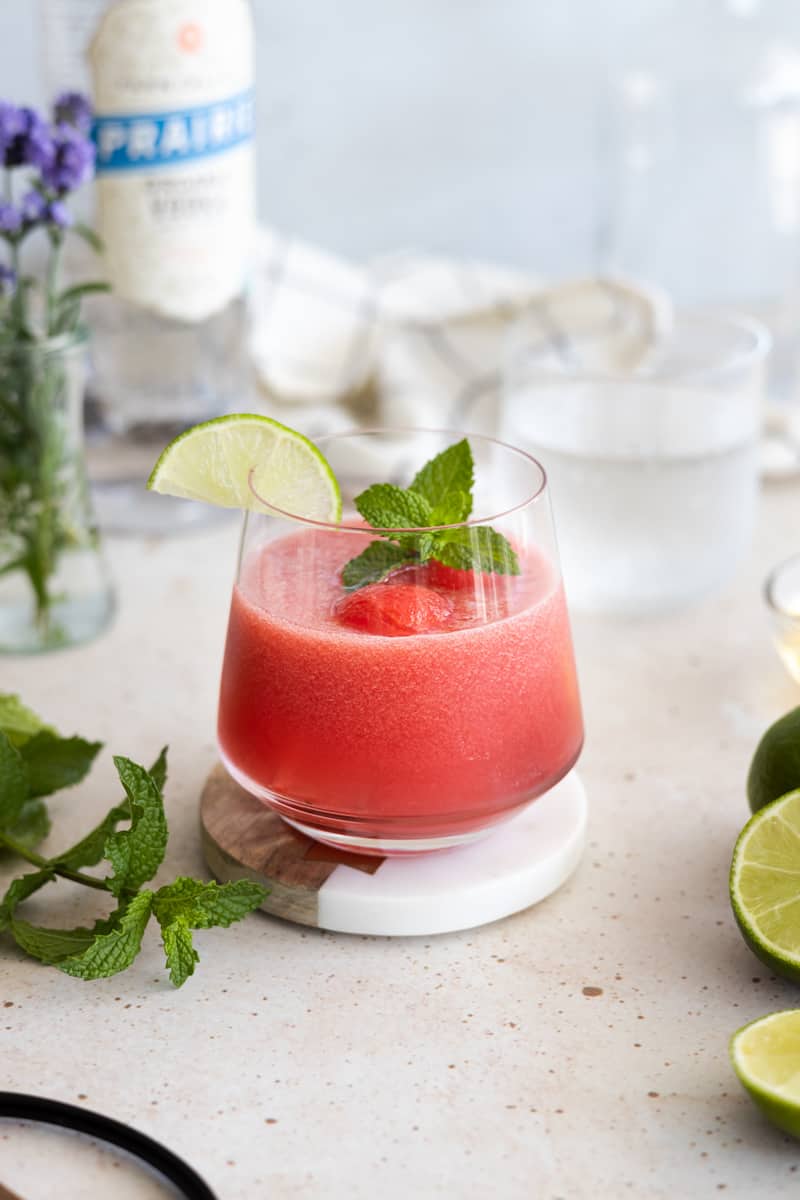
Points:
[(421, 704)]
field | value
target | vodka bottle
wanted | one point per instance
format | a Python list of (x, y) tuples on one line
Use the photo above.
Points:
[(172, 84)]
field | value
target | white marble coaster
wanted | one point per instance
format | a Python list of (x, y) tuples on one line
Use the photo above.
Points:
[(525, 860)]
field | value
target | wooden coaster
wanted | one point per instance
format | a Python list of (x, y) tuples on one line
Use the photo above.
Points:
[(519, 864)]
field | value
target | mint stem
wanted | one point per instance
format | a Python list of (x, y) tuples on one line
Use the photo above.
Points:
[(36, 860)]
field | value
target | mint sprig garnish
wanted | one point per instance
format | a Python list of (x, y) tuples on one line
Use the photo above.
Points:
[(440, 494), (36, 761)]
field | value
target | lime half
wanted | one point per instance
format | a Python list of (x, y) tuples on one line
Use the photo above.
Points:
[(766, 1057), (765, 884), (248, 461)]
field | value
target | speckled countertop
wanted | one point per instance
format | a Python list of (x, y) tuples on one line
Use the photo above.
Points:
[(575, 1050)]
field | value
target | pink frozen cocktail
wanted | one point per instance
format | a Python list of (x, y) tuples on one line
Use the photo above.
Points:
[(414, 711)]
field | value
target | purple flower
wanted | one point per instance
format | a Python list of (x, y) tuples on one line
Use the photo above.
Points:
[(8, 280), (10, 218), (73, 108), (33, 144), (72, 162), (58, 214), (34, 208), (11, 124), (38, 210)]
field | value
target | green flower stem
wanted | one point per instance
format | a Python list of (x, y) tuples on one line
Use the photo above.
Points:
[(17, 300), (56, 241), (36, 860)]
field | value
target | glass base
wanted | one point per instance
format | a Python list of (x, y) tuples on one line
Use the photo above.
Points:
[(360, 835), (385, 847)]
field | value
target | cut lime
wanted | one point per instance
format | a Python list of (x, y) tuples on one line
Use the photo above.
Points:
[(248, 461), (775, 769), (765, 884), (766, 1057)]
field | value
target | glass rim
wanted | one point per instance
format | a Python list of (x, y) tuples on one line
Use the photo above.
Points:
[(770, 584), (759, 348), (71, 339), (373, 431)]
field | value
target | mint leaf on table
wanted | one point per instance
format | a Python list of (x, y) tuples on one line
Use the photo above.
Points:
[(440, 495), (54, 762), (188, 904), (34, 762), (138, 852), (182, 958), (14, 783), (31, 826), (91, 848), (158, 771), (17, 721), (204, 905), (108, 948), (110, 953), (50, 945), (20, 890)]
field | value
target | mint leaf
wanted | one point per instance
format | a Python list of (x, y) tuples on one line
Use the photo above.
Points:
[(188, 904), (204, 905), (14, 783), (387, 507), (181, 954), (54, 762), (451, 471), (90, 849), (31, 826), (50, 945), (41, 762), (477, 548), (137, 853), (453, 509), (17, 721), (158, 771), (109, 947), (19, 890), (440, 494), (374, 564), (110, 953)]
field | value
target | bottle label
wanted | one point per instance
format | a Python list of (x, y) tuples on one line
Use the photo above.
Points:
[(172, 82), (162, 139)]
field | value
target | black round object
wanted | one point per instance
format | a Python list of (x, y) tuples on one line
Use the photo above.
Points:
[(105, 1129)]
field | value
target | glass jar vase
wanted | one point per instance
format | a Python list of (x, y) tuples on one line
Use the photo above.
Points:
[(54, 585)]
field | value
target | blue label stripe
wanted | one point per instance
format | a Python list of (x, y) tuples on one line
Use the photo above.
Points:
[(142, 141)]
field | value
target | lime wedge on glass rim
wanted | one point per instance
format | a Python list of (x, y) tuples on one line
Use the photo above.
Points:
[(247, 461), (765, 884), (766, 1057)]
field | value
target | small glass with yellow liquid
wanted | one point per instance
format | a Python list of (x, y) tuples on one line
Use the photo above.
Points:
[(782, 593)]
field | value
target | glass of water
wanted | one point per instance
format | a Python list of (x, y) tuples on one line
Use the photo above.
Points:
[(654, 472)]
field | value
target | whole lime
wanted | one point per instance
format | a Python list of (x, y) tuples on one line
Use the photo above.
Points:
[(775, 769)]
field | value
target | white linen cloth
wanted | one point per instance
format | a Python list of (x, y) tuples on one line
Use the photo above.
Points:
[(411, 341)]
